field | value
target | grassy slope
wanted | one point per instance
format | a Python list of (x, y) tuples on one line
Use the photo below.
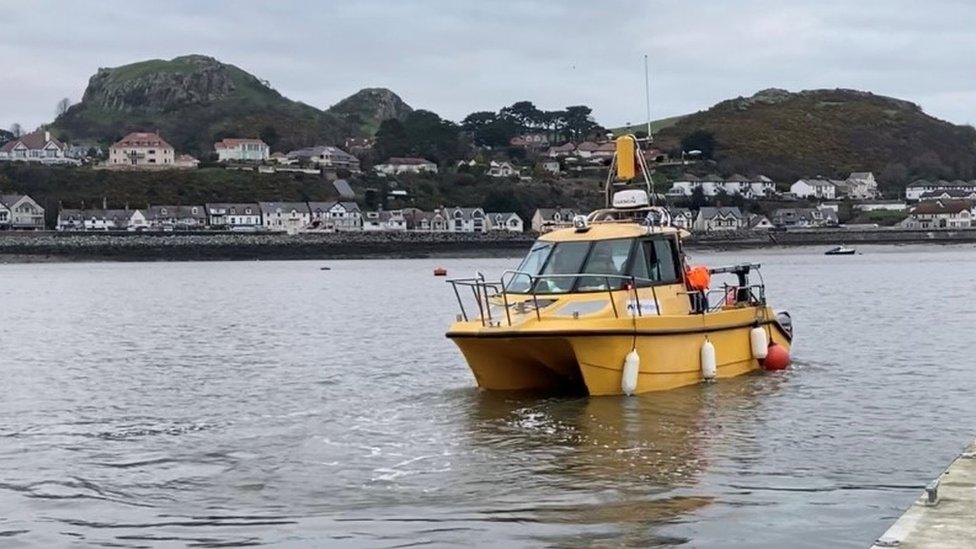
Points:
[(831, 132), (656, 125)]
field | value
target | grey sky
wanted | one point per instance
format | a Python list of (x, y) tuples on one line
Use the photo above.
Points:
[(457, 56)]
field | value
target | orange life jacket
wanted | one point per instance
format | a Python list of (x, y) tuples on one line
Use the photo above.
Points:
[(698, 278)]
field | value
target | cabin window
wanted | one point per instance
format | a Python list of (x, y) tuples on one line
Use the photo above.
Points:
[(531, 265), (655, 261), (608, 257), (566, 259)]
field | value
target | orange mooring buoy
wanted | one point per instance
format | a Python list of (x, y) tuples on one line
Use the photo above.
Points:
[(440, 271), (777, 358)]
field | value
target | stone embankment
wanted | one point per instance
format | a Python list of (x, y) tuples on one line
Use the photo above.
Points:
[(201, 246)]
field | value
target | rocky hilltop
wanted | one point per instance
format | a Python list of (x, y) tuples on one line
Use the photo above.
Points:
[(788, 135), (195, 100), (368, 107)]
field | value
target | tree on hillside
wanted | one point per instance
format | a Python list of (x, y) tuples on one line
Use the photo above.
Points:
[(16, 130), (524, 113), (62, 107), (422, 133), (578, 121), (432, 137), (391, 139), (270, 136), (700, 140), (5, 137)]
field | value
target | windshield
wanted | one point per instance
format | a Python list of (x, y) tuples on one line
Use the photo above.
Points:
[(531, 265), (595, 266)]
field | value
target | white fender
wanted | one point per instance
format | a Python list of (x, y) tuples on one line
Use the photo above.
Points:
[(628, 381), (708, 367), (757, 338)]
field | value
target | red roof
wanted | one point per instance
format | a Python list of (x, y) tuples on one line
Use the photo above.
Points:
[(142, 139), (33, 141), (231, 142)]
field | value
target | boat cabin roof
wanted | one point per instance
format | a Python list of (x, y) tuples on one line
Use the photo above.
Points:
[(609, 231)]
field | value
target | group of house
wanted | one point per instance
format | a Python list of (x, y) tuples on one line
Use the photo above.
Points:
[(857, 186), (287, 217), (709, 219)]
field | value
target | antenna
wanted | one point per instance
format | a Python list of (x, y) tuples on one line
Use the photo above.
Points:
[(647, 98)]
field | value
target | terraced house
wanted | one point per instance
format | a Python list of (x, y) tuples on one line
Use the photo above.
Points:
[(170, 218), (234, 216), (335, 216)]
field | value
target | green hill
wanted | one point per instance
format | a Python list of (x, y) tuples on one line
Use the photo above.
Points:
[(828, 132), (369, 107), (195, 100)]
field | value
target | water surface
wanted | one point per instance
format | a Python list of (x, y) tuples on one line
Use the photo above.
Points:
[(214, 404)]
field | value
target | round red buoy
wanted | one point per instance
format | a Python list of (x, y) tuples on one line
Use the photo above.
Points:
[(440, 271), (777, 358)]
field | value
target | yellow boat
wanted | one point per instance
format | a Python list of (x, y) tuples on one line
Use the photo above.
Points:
[(609, 307)]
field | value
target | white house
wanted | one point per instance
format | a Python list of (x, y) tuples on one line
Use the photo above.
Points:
[(384, 220), (711, 219), (39, 146), (940, 214), (682, 218), (504, 221), (168, 218), (465, 220), (397, 166), (502, 169), (234, 216), (24, 212), (142, 150), (335, 216), (862, 186), (289, 217), (242, 150), (550, 219), (421, 221), (823, 189)]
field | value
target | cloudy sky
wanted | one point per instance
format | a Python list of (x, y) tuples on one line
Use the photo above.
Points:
[(459, 56)]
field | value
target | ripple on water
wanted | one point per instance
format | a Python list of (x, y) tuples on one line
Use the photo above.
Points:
[(213, 404)]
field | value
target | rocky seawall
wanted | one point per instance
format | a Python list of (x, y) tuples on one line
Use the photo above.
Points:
[(53, 246)]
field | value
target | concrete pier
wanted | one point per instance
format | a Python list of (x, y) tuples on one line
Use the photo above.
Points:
[(944, 516)]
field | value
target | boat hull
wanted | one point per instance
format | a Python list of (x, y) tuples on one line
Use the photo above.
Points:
[(591, 361)]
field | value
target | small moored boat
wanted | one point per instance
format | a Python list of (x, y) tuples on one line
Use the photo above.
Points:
[(841, 250), (609, 307)]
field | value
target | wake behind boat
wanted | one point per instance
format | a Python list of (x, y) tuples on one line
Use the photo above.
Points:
[(610, 306)]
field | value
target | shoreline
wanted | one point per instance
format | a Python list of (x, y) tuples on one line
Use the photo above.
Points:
[(49, 246)]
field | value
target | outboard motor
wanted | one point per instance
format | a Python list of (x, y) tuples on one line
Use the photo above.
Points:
[(785, 322)]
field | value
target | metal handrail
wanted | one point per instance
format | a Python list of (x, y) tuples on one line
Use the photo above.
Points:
[(480, 290)]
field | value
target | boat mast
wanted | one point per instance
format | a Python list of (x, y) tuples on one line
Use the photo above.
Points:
[(647, 99)]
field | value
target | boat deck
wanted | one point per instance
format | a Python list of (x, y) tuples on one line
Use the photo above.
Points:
[(945, 514)]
